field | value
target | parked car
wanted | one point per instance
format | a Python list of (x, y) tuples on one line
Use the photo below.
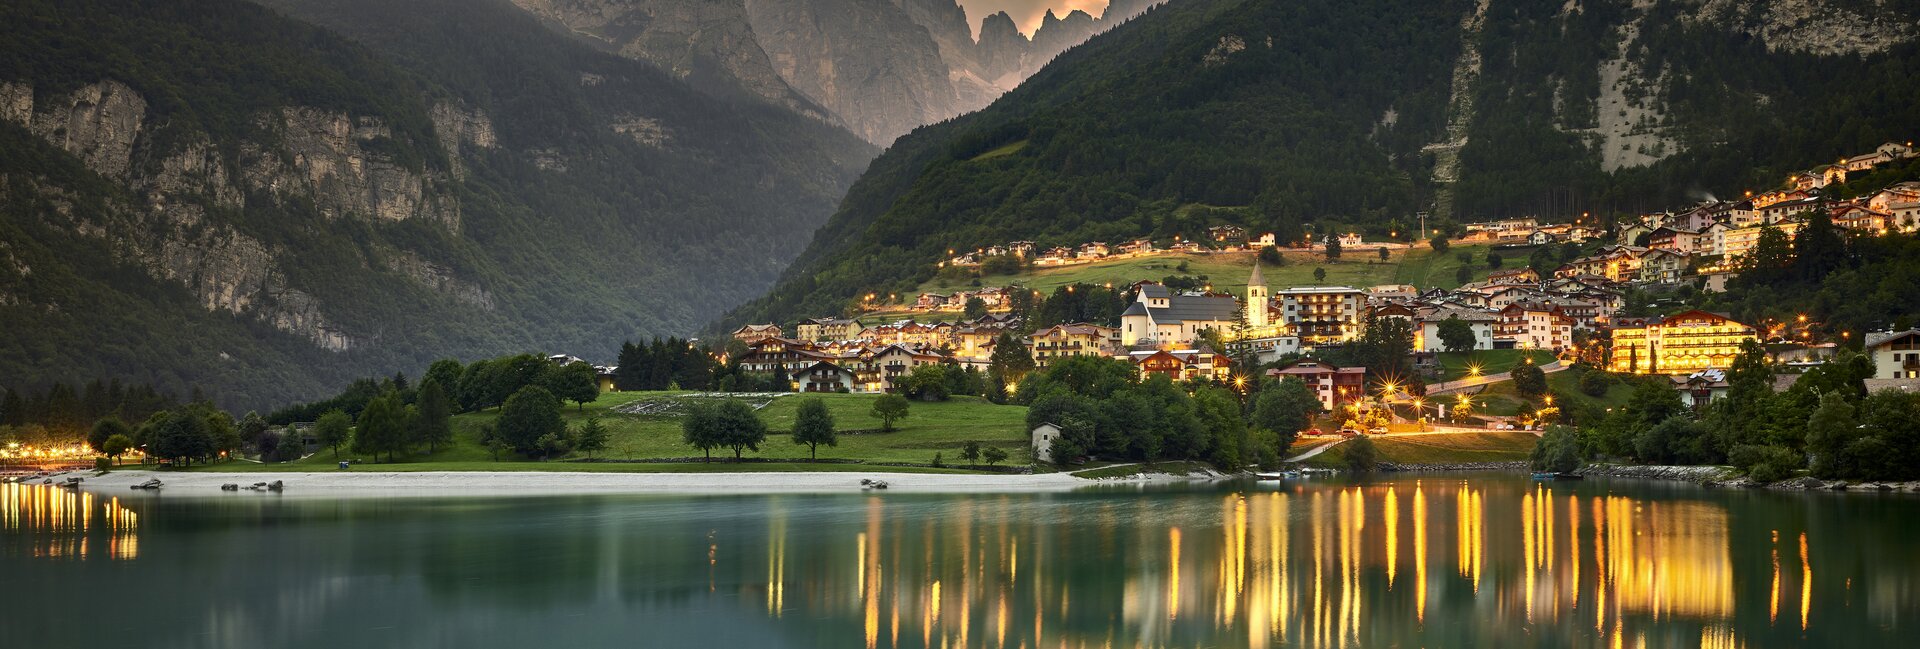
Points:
[(1349, 432), (1313, 432)]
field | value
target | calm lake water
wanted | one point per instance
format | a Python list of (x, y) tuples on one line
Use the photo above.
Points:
[(1446, 561)]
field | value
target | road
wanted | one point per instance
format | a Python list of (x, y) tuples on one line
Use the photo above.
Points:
[(1451, 387)]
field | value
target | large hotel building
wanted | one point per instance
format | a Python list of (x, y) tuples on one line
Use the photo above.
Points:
[(1679, 344)]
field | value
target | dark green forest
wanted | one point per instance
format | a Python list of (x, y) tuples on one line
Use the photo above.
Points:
[(581, 235), (1275, 115)]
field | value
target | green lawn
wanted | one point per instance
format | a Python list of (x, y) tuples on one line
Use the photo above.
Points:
[(1440, 449), (1454, 365), (930, 427), (1567, 384)]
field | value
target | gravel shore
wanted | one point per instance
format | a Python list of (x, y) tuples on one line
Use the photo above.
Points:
[(491, 483)]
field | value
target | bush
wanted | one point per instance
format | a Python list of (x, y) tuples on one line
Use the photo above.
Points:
[(1766, 464), (1529, 379), (939, 461), (1594, 383), (1558, 450), (102, 464), (1362, 457)]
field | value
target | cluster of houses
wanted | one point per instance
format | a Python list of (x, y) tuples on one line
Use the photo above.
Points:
[(1166, 331), (1708, 240), (993, 297), (1528, 231)]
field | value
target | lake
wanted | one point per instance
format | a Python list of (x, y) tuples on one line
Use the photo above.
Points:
[(1451, 560)]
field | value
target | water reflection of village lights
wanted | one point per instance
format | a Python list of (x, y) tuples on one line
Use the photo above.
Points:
[(57, 523)]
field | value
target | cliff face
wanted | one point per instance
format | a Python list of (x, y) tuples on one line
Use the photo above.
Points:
[(312, 157), (878, 67), (864, 60), (1007, 57), (264, 209), (704, 41)]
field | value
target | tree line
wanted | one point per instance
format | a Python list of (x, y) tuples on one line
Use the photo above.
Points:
[(1104, 409)]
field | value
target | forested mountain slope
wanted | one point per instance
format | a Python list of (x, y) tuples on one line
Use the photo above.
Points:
[(1290, 115), (210, 194)]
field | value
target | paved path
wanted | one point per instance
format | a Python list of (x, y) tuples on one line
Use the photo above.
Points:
[(1451, 387), (1437, 430), (1316, 451)]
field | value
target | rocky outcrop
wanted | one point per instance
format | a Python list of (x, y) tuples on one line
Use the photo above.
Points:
[(864, 60), (97, 123), (878, 67), (644, 130), (461, 132), (688, 38), (1007, 58), (323, 155), (1002, 49), (438, 278), (1823, 27), (319, 158)]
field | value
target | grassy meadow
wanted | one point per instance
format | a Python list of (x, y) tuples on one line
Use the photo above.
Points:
[(930, 427), (1360, 267)]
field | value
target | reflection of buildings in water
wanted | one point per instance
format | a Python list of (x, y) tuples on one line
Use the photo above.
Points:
[(57, 523), (1341, 566)]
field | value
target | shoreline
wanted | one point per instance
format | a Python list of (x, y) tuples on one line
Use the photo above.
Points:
[(557, 483), (1721, 476)]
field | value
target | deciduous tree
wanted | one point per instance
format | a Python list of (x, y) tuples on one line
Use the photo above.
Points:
[(813, 426), (333, 430), (528, 415), (889, 408)]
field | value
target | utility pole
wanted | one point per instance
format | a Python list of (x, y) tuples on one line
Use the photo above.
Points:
[(1423, 225)]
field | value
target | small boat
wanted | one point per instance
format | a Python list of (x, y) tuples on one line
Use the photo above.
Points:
[(1554, 475), (1276, 475)]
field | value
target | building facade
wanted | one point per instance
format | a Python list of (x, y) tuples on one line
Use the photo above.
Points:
[(1680, 344)]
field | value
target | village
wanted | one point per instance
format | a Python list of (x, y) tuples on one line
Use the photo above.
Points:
[(1570, 313)]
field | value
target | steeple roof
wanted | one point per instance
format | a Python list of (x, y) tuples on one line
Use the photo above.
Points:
[(1257, 279)]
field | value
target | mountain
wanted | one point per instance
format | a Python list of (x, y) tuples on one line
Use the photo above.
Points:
[(880, 67), (207, 193), (1328, 114)]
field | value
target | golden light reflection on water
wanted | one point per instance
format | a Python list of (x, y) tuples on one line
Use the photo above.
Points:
[(1485, 562), (1313, 567), (51, 522)]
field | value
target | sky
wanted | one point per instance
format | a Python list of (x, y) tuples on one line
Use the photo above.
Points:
[(1027, 13)]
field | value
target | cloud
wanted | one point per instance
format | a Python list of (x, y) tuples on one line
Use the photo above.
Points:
[(1027, 13)]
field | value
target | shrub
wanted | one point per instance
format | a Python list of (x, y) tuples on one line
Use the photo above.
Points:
[(1362, 457)]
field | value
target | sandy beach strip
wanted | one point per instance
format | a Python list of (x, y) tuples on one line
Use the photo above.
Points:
[(497, 483)]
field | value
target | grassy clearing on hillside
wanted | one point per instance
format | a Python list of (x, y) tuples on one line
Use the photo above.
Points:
[(1360, 267), (1426, 269), (1228, 271), (931, 427), (1440, 449), (1003, 151)]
